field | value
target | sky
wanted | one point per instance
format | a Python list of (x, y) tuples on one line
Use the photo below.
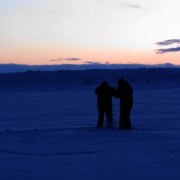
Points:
[(89, 31)]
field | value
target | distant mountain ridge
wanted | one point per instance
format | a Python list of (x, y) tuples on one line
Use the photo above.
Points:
[(10, 68)]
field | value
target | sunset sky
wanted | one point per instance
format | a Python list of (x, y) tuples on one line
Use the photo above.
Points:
[(89, 31)]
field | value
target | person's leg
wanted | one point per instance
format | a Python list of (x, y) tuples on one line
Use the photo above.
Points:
[(100, 115), (109, 114), (125, 109), (122, 117), (128, 114), (100, 119)]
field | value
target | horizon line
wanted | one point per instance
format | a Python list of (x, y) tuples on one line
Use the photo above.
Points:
[(92, 63)]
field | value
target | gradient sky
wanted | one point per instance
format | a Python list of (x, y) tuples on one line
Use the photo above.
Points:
[(85, 31)]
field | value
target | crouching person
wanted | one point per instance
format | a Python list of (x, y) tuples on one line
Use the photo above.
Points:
[(104, 94)]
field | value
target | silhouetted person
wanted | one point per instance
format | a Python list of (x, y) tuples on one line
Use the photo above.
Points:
[(125, 94), (104, 93)]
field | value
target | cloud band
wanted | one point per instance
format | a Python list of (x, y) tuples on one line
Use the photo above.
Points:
[(167, 43)]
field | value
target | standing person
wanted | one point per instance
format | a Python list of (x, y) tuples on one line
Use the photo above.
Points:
[(104, 93), (125, 94)]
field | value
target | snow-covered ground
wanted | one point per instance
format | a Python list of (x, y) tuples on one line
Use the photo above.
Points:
[(51, 135)]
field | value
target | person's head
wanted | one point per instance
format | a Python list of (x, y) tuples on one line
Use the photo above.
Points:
[(104, 84), (120, 81)]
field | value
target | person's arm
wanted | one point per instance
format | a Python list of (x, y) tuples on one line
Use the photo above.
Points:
[(114, 92)]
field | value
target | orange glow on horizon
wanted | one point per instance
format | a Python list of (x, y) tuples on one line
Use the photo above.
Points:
[(69, 32), (53, 55)]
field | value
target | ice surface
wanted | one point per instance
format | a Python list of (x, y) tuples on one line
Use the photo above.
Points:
[(51, 135)]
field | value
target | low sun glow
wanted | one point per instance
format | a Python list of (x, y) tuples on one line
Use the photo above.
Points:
[(55, 32)]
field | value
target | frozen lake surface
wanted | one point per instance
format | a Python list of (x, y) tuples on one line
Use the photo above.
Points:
[(51, 134), (20, 110)]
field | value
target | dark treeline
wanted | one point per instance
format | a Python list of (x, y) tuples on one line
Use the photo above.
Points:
[(62, 78)]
